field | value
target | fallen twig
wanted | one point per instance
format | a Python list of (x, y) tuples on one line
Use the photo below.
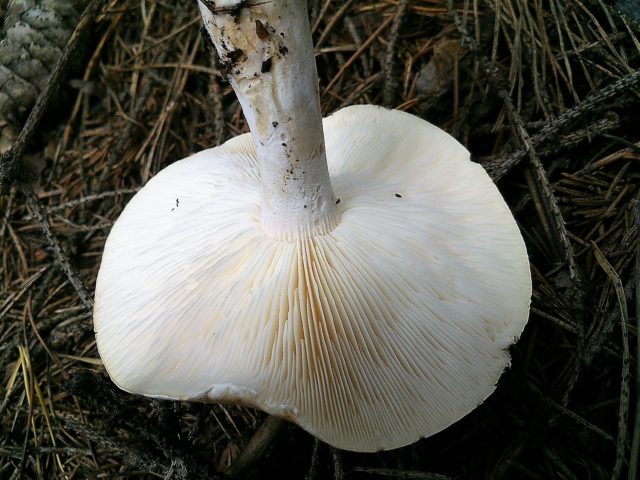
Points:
[(389, 90), (634, 456), (623, 411), (61, 258), (502, 164), (256, 447)]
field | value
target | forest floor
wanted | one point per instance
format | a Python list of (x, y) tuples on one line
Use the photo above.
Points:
[(546, 96)]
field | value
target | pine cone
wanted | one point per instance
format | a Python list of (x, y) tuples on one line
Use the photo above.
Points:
[(33, 35)]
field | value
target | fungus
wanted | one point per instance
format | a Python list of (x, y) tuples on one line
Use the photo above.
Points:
[(370, 318)]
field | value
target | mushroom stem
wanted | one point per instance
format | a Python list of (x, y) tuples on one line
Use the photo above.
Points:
[(265, 49)]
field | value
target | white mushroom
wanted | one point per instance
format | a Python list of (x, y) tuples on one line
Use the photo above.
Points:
[(371, 317)]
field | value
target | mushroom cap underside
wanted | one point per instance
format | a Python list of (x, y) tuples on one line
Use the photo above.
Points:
[(388, 329)]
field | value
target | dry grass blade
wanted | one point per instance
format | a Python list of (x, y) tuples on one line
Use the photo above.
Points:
[(358, 52)]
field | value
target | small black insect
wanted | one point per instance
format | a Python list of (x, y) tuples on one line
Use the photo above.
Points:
[(398, 195)]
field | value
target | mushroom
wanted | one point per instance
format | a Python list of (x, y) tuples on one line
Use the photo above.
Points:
[(372, 316)]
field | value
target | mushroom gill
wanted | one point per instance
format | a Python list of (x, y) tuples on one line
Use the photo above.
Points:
[(388, 328)]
